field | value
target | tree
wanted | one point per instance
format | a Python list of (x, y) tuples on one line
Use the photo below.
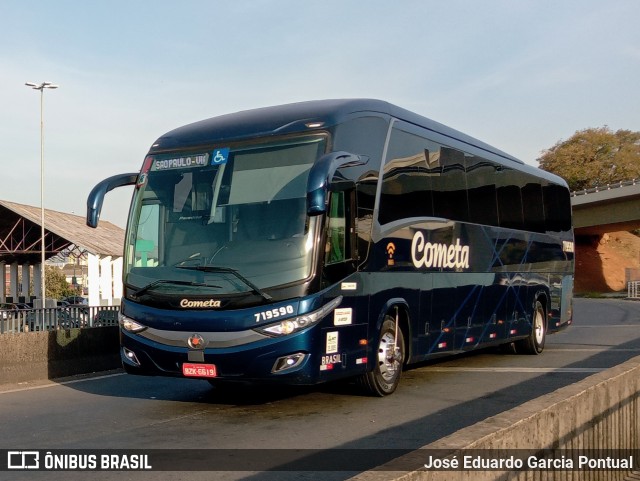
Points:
[(594, 157), (56, 283)]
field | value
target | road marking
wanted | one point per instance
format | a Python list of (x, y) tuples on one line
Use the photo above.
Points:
[(62, 383), (518, 369), (590, 349), (604, 326)]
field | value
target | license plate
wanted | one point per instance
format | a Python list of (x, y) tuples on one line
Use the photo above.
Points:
[(199, 370)]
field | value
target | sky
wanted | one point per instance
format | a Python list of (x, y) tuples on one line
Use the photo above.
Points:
[(518, 74)]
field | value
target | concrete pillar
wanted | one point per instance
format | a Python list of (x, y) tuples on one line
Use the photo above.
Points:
[(26, 279), (93, 278), (13, 281), (3, 285), (37, 281), (117, 279), (106, 281)]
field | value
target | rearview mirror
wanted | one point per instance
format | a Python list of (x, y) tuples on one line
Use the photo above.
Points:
[(96, 196), (322, 179)]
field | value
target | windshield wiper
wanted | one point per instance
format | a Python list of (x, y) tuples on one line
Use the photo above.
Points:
[(150, 286), (229, 270)]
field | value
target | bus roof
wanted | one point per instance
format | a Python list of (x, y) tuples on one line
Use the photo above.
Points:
[(296, 117)]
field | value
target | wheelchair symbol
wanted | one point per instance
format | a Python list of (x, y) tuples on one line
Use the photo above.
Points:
[(220, 156)]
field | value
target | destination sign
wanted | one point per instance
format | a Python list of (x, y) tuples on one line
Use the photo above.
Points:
[(182, 162)]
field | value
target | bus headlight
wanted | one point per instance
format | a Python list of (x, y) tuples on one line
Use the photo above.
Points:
[(131, 325), (299, 323)]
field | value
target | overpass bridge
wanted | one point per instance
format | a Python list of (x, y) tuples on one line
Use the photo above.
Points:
[(610, 208)]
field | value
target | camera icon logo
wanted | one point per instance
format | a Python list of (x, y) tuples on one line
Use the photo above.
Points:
[(23, 460)]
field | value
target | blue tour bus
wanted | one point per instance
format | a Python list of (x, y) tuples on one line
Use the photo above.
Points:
[(328, 239)]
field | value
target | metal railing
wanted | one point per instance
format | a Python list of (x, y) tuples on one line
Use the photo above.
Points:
[(633, 289), (601, 188), (52, 319)]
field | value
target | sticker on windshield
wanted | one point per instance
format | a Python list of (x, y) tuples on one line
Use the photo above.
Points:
[(220, 156)]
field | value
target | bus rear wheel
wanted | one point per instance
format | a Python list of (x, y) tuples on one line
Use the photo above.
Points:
[(534, 344), (385, 376)]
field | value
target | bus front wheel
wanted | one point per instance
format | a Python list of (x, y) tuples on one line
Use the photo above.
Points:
[(534, 344), (385, 376)]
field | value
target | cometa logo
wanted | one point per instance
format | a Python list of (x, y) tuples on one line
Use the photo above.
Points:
[(447, 256), (189, 304)]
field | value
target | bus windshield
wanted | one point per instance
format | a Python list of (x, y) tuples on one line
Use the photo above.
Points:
[(222, 221)]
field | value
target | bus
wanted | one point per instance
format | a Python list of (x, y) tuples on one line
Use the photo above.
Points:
[(321, 240)]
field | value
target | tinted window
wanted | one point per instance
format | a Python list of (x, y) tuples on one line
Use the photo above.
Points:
[(363, 136), (423, 178), (481, 179), (450, 186), (407, 183), (509, 198), (532, 206), (366, 196), (557, 208)]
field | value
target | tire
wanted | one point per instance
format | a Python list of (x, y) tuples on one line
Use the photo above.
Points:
[(534, 344), (385, 376)]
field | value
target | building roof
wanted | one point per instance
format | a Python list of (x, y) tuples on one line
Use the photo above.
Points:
[(20, 234)]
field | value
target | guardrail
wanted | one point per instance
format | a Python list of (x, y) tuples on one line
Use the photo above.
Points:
[(633, 289), (600, 188), (52, 319), (596, 418)]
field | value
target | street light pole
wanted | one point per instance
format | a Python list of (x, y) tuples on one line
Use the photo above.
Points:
[(41, 87)]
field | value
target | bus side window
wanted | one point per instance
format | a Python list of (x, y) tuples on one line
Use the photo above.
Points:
[(481, 191), (336, 247), (449, 184), (557, 208), (510, 214)]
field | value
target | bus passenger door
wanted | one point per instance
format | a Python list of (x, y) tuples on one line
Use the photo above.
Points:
[(340, 251), (345, 341)]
